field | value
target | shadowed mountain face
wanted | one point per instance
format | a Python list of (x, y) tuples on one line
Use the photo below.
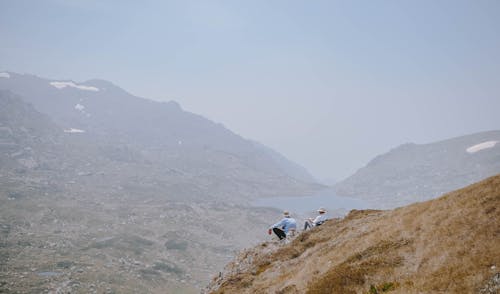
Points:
[(105, 192), (25, 135), (446, 245), (413, 172)]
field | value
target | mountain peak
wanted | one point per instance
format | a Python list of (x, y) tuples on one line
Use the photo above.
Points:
[(417, 172), (102, 108)]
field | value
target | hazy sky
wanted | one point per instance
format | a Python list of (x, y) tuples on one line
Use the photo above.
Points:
[(329, 84)]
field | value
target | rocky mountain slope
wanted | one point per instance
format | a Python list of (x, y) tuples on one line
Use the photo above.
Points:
[(24, 134), (113, 116), (131, 202), (413, 172), (446, 245)]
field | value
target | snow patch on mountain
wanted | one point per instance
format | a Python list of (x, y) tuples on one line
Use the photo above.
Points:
[(4, 75), (481, 146), (62, 85), (72, 130), (79, 107)]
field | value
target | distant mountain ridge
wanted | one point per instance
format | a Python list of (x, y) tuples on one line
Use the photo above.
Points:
[(413, 172), (105, 110)]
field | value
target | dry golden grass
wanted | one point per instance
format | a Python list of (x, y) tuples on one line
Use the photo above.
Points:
[(447, 245), (377, 258)]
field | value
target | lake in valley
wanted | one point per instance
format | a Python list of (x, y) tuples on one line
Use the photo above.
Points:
[(306, 205)]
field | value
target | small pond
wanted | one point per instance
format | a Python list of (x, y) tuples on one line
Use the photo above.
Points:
[(48, 274)]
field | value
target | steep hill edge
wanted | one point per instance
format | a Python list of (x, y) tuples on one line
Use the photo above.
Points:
[(446, 245)]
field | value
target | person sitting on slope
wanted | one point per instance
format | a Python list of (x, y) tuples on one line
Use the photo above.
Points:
[(320, 219), (284, 226)]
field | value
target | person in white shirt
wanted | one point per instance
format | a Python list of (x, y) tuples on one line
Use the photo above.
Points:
[(320, 219)]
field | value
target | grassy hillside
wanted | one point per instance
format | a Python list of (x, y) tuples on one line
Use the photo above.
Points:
[(447, 245)]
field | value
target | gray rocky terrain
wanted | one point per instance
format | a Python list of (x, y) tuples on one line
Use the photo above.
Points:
[(104, 192)]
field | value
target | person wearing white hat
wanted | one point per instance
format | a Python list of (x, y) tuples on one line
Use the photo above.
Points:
[(320, 219), (282, 227)]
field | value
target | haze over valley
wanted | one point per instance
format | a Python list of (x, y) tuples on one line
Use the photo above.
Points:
[(147, 197), (159, 146)]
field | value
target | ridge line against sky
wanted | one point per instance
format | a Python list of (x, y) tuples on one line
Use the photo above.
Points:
[(328, 84)]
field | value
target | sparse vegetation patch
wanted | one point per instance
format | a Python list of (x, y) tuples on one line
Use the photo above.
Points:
[(176, 245), (167, 268)]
